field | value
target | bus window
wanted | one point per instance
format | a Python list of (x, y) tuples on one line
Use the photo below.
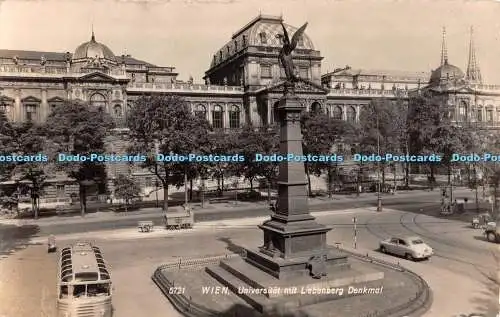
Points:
[(79, 290), (98, 290), (64, 291)]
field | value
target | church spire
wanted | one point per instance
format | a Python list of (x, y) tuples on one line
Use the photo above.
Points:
[(473, 72), (444, 50), (93, 35)]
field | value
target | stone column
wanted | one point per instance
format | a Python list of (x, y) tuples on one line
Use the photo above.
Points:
[(18, 107), (270, 105), (44, 106), (292, 231), (225, 116)]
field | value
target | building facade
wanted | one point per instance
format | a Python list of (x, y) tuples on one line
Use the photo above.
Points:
[(242, 85)]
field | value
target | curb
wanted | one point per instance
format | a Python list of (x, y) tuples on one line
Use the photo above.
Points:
[(417, 306)]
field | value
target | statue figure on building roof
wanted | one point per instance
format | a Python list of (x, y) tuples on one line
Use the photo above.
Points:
[(43, 60), (285, 54), (16, 60)]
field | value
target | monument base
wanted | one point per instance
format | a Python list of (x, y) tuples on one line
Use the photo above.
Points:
[(266, 293), (281, 268)]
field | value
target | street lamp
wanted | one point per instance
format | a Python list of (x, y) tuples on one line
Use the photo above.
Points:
[(156, 192), (379, 198), (475, 187)]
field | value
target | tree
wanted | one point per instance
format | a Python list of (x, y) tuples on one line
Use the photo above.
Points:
[(320, 132), (79, 130), (221, 143), (165, 124), (8, 197), (30, 140), (7, 144), (251, 141), (383, 129), (126, 188), (432, 131)]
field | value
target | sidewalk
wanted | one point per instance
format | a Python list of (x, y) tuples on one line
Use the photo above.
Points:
[(199, 227), (220, 207)]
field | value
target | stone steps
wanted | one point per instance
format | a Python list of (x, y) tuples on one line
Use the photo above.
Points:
[(290, 294), (259, 302)]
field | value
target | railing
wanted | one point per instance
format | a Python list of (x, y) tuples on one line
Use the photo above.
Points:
[(368, 92), (28, 70), (485, 87), (161, 69), (141, 87)]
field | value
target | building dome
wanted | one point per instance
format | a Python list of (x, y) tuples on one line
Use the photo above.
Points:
[(445, 73), (92, 49), (261, 32)]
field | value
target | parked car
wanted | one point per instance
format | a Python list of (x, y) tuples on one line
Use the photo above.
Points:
[(492, 232), (411, 248)]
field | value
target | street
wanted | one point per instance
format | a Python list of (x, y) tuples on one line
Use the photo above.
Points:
[(458, 274), (407, 201)]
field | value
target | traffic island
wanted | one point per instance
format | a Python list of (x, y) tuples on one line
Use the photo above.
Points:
[(231, 288)]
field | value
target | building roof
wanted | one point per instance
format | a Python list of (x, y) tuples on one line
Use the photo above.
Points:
[(261, 31), (93, 49), (446, 72), (399, 74), (60, 57)]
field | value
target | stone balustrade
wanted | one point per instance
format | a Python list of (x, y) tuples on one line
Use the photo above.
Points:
[(369, 93), (182, 87), (48, 71)]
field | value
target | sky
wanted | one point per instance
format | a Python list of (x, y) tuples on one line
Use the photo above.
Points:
[(370, 34)]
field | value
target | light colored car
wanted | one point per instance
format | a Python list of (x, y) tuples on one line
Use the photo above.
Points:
[(411, 248)]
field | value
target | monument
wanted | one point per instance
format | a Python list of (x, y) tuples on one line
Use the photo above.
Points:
[(295, 268), (295, 253)]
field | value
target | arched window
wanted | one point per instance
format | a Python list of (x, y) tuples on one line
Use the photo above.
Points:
[(351, 114), (201, 112), (462, 111), (275, 112), (315, 107), (263, 38), (489, 113), (337, 113), (98, 101), (218, 117), (234, 117), (117, 111), (479, 117)]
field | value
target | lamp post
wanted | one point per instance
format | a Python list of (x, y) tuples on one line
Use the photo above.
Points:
[(156, 192), (379, 198), (475, 187), (186, 198)]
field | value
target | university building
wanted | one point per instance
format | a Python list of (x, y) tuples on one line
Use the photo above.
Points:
[(243, 84)]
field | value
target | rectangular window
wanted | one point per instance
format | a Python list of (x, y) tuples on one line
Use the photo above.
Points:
[(489, 115), (304, 72), (265, 71), (217, 120), (60, 192), (234, 119), (31, 112), (479, 115), (149, 182)]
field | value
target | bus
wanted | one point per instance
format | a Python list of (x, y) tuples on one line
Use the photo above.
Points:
[(84, 283)]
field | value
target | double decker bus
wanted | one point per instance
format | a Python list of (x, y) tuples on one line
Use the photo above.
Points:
[(84, 284)]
